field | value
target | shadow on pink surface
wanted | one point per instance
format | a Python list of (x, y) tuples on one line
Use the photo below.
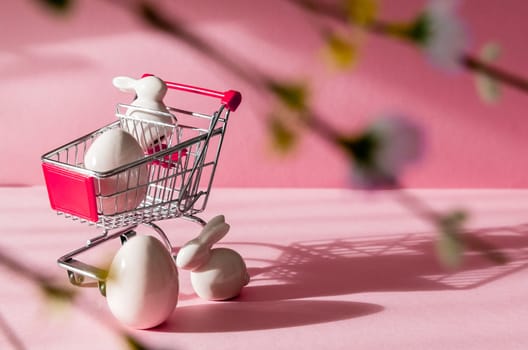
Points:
[(276, 296), (378, 263), (231, 317)]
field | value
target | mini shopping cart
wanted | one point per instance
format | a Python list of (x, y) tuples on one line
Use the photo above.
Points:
[(172, 180)]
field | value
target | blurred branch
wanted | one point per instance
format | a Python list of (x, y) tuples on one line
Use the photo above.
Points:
[(498, 74), (51, 290), (10, 334), (417, 206), (175, 27), (287, 94), (396, 30), (60, 6), (294, 96), (463, 237), (21, 270)]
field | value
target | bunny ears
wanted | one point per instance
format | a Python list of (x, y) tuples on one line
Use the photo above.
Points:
[(125, 84), (214, 231), (196, 252), (150, 87)]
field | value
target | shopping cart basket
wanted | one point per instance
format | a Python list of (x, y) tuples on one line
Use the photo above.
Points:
[(173, 180)]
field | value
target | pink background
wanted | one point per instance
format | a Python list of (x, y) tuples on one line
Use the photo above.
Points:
[(56, 76)]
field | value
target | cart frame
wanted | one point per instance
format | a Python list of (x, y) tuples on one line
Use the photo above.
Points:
[(180, 169)]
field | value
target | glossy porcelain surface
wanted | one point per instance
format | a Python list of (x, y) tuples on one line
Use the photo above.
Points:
[(216, 274), (112, 149), (222, 277), (150, 92), (142, 285)]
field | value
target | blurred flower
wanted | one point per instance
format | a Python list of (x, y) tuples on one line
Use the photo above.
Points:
[(382, 151), (283, 137), (293, 95), (361, 12), (441, 33), (340, 51), (488, 88)]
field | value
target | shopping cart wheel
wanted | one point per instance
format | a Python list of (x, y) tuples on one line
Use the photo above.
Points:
[(75, 278)]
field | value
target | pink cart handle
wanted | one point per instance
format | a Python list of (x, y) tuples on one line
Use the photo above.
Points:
[(230, 98)]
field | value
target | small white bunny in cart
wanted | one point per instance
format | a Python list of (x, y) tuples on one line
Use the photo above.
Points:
[(216, 274), (150, 91)]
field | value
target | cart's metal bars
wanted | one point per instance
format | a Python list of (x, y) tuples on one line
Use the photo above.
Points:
[(219, 147), (57, 151), (69, 263), (152, 207), (194, 114), (212, 126), (157, 177), (133, 108), (147, 159), (73, 265), (176, 188)]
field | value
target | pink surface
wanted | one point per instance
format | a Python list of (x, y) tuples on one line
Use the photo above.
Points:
[(56, 85), (330, 269)]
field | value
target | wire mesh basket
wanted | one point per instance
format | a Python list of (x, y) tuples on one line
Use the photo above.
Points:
[(173, 179)]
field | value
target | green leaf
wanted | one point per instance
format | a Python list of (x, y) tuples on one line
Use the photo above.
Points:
[(361, 12), (488, 88), (340, 52), (283, 137), (450, 245), (58, 293), (58, 5), (362, 148), (292, 95), (153, 16), (58, 299), (366, 172), (449, 249), (134, 343), (418, 31)]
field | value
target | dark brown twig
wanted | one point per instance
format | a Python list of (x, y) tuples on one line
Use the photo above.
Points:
[(499, 74), (47, 286)]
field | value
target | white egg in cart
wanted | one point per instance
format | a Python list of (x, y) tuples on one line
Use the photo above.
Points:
[(142, 283), (126, 190)]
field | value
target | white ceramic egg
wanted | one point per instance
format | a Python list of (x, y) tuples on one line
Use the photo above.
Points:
[(142, 284), (126, 190)]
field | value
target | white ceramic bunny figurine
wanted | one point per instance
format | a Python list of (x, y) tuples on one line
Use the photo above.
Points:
[(216, 274), (150, 92)]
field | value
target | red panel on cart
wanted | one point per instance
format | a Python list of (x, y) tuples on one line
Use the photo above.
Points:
[(70, 192)]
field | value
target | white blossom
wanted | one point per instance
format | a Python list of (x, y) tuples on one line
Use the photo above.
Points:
[(394, 142), (446, 37)]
